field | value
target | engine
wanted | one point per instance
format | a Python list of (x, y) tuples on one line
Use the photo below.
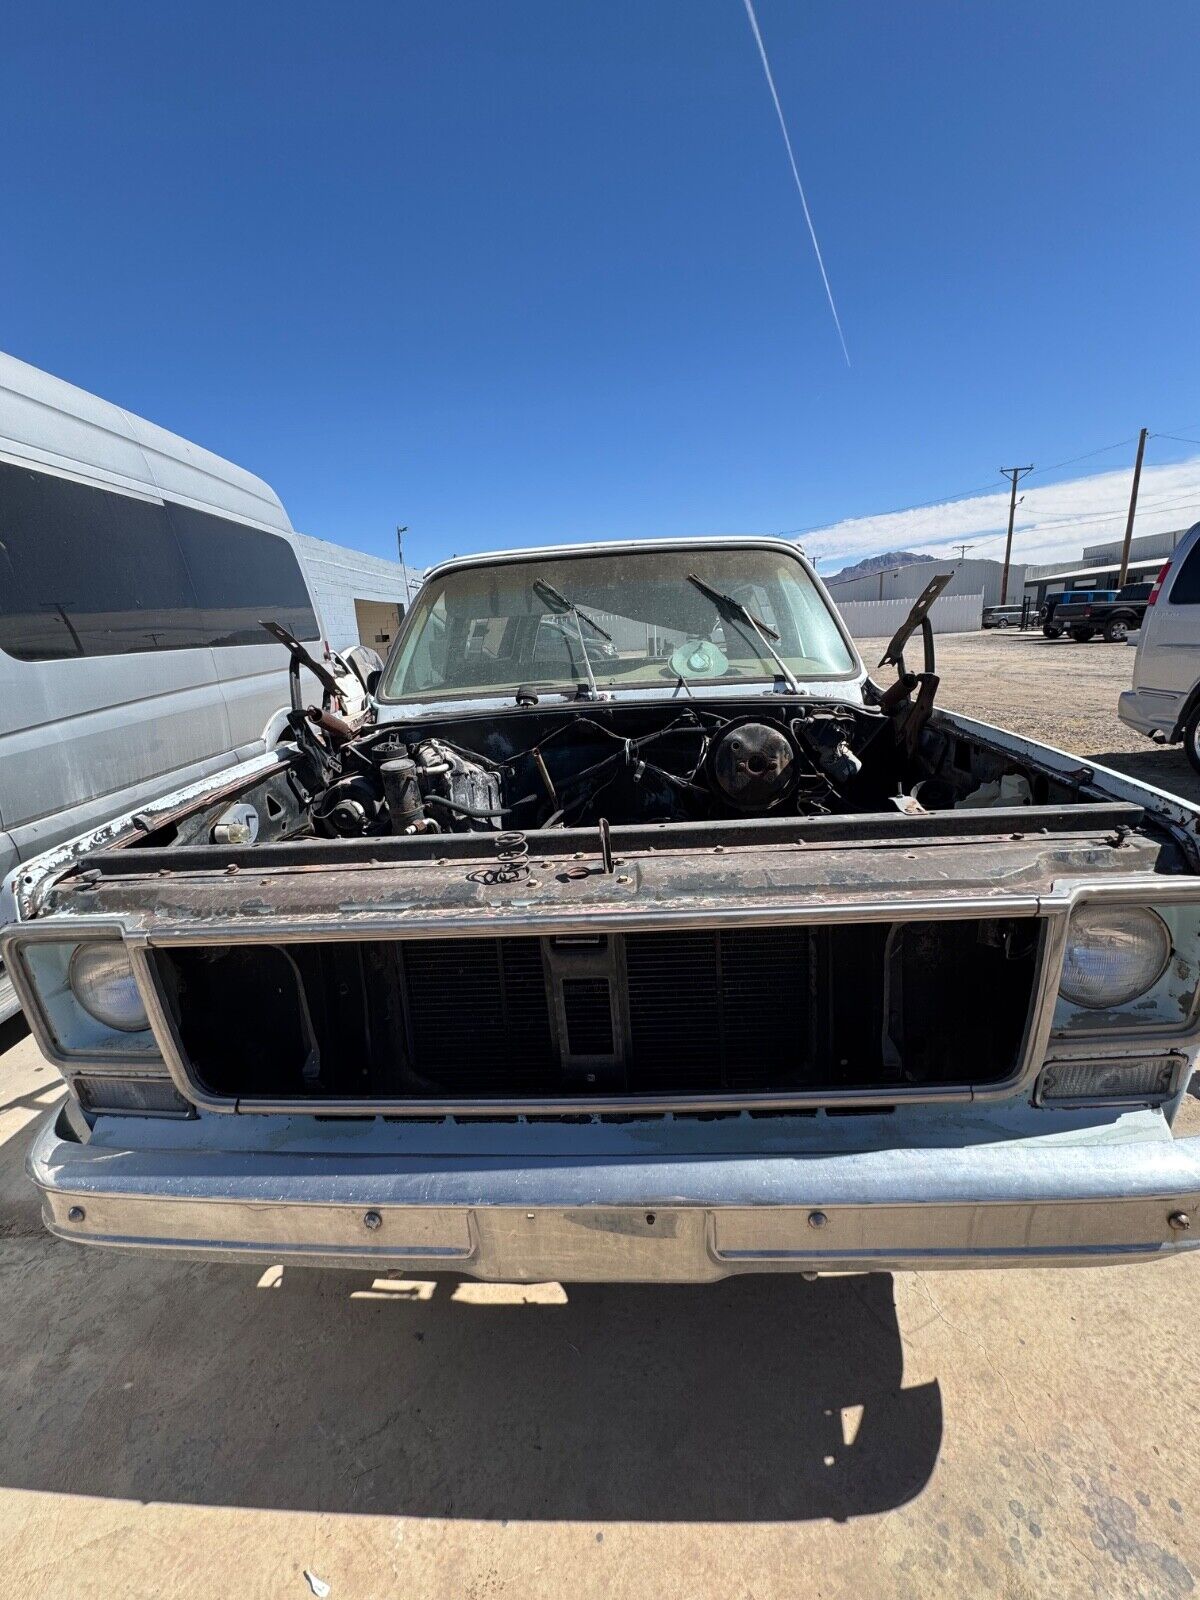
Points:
[(534, 770), (425, 787)]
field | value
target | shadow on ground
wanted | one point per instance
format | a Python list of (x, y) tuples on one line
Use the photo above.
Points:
[(12, 1032), (1164, 766), (756, 1399)]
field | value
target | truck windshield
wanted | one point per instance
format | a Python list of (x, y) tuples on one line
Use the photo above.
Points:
[(492, 629)]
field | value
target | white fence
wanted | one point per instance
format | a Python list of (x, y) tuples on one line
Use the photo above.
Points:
[(879, 619)]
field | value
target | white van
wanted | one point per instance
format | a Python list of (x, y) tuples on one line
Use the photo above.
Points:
[(1164, 702), (135, 569)]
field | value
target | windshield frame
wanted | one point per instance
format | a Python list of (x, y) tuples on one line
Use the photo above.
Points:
[(568, 692)]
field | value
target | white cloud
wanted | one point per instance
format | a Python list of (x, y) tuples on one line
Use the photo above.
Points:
[(1053, 520)]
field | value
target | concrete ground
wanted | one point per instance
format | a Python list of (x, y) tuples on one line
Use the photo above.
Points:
[(168, 1429)]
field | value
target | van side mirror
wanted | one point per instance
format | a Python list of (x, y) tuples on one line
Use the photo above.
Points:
[(373, 678)]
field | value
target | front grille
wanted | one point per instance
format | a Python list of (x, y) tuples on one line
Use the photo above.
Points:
[(776, 1010), (475, 1010), (587, 1012)]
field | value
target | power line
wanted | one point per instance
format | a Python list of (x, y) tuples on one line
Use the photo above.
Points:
[(983, 489), (896, 511), (1086, 456), (1083, 518), (951, 499), (812, 232)]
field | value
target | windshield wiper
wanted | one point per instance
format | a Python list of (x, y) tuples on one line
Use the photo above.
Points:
[(559, 602), (761, 634)]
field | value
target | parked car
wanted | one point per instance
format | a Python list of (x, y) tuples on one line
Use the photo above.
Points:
[(134, 570), (1052, 627), (1115, 618), (1164, 700), (1002, 616), (661, 945)]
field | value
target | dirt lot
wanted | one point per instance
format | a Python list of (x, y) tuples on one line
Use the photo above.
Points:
[(208, 1431)]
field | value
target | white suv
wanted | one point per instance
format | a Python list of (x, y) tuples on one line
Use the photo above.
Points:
[(1164, 702)]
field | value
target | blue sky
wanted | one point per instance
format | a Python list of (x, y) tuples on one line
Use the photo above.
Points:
[(518, 270)]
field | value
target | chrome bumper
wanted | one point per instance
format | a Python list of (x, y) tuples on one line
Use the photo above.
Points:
[(631, 1217)]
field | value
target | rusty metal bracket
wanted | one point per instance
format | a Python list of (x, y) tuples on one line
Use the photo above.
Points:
[(920, 710), (918, 617), (302, 658)]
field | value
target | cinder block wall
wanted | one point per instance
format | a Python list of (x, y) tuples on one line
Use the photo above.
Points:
[(338, 576)]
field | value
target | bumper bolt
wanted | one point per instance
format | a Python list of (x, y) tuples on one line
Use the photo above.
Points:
[(1180, 1221), (817, 1219), (372, 1220), (76, 1214)]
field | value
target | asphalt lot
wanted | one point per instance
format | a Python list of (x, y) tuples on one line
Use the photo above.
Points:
[(207, 1430)]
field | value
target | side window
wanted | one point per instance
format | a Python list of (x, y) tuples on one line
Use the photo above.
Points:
[(241, 577), (87, 572), (1185, 591), (490, 637)]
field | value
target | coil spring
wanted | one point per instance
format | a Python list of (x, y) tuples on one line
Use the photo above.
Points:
[(512, 851)]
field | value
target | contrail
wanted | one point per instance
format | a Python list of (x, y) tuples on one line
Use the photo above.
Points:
[(762, 51)]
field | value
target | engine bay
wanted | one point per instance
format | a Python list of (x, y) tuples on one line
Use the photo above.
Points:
[(595, 762), (570, 768)]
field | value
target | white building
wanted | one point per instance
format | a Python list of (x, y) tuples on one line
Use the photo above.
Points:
[(1143, 548), (360, 598), (978, 576)]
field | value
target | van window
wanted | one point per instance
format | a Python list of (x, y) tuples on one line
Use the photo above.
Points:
[(241, 576), (1185, 591), (84, 572), (91, 572)]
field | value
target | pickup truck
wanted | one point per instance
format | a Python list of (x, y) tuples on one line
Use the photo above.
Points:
[(1051, 627), (632, 932), (1115, 618)]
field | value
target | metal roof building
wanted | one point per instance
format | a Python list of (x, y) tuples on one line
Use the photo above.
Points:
[(1086, 578)]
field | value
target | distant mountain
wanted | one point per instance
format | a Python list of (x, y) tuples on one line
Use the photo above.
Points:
[(893, 558)]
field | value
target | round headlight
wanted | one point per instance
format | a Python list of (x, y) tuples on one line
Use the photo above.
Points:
[(1114, 954), (102, 981)]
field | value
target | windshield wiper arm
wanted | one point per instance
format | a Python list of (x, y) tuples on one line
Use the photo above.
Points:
[(734, 611), (559, 602)]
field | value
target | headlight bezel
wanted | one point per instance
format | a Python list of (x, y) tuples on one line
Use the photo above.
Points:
[(37, 960)]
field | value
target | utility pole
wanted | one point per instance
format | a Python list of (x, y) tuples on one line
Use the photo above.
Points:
[(962, 551), (400, 532), (1123, 575), (1014, 474)]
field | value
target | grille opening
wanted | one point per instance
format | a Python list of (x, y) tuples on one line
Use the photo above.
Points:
[(778, 1010), (587, 1012)]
